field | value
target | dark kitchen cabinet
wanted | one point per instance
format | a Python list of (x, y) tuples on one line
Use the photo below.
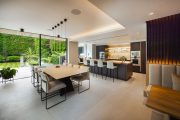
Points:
[(100, 48), (143, 57), (140, 46), (135, 46)]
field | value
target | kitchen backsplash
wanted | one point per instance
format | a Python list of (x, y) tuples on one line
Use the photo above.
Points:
[(118, 52)]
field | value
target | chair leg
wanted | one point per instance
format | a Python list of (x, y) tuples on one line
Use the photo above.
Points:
[(46, 101), (85, 89), (113, 75), (78, 86), (41, 94), (65, 94), (56, 103)]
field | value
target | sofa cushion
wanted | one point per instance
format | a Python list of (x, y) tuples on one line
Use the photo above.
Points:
[(178, 70), (155, 74), (167, 71), (176, 81)]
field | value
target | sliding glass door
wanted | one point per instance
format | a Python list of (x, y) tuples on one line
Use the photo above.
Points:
[(23, 51), (52, 50), (18, 52)]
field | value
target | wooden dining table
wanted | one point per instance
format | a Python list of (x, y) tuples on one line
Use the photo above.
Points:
[(64, 72), (164, 100)]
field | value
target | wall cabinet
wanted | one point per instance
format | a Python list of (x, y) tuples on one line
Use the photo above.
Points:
[(100, 49), (140, 46)]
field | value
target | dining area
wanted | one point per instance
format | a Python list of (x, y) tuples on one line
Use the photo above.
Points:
[(54, 80)]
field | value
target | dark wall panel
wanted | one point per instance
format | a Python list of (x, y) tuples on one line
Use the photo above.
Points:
[(163, 40)]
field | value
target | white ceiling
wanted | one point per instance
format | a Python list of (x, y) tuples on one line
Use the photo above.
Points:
[(38, 16), (133, 14), (103, 16)]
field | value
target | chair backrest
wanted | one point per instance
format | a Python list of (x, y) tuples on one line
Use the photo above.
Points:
[(65, 62), (45, 80), (100, 63), (91, 62), (85, 62), (85, 76), (110, 65), (44, 77)]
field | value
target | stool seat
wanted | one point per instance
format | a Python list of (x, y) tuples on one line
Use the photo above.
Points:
[(101, 66), (93, 65), (111, 67)]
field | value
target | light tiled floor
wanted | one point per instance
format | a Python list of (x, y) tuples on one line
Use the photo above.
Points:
[(121, 100)]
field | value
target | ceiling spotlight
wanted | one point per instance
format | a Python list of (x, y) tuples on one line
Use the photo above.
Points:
[(55, 26), (151, 13), (76, 12), (61, 22), (58, 24)]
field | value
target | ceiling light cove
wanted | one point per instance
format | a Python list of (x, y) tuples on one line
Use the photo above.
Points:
[(109, 28)]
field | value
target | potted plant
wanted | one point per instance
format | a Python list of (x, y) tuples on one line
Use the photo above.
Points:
[(8, 73)]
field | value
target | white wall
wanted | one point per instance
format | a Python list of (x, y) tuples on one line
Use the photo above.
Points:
[(73, 52)]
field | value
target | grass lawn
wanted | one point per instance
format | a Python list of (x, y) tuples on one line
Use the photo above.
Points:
[(9, 64)]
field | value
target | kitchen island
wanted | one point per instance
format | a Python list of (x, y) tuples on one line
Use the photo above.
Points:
[(124, 70)]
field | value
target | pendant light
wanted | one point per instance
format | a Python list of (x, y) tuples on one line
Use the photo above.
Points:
[(58, 30), (61, 28), (65, 20)]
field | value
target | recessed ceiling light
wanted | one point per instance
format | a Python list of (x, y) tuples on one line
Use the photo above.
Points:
[(151, 13), (75, 12)]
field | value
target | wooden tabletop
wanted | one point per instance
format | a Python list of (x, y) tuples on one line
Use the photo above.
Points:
[(64, 71), (164, 100)]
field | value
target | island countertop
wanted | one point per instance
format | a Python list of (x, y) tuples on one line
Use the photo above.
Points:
[(116, 61), (124, 69)]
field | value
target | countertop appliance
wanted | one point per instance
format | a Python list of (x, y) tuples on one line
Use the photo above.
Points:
[(136, 58), (101, 55)]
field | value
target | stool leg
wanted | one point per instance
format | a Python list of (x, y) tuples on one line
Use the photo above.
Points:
[(106, 72), (113, 74), (110, 73), (96, 71), (102, 72)]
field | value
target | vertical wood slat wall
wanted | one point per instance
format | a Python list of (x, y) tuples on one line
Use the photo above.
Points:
[(163, 40)]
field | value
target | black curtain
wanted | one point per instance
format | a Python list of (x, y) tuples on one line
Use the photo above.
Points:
[(163, 40)]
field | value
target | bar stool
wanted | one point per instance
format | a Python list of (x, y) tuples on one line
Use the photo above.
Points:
[(85, 62), (111, 67), (92, 65), (101, 66)]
